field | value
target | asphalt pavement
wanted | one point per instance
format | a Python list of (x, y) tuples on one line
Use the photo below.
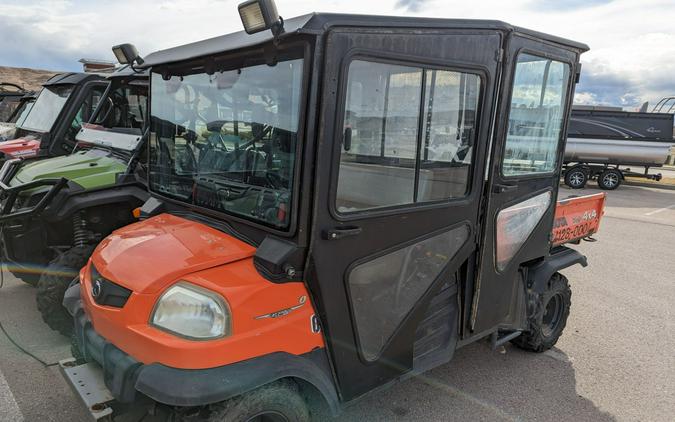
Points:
[(615, 360)]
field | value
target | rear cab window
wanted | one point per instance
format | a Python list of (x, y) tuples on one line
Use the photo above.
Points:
[(536, 116)]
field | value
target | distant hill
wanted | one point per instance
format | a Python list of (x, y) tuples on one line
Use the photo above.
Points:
[(29, 79)]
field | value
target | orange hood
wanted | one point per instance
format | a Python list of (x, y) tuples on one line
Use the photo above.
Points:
[(148, 256)]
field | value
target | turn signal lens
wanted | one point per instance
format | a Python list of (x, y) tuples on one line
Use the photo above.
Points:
[(192, 312)]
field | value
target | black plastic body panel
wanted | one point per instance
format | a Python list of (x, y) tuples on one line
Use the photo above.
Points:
[(560, 258)]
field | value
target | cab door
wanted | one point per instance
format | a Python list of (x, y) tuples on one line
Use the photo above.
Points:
[(524, 176), (81, 108), (405, 123)]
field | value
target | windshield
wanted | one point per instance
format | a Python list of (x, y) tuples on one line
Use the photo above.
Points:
[(120, 120), (21, 113), (47, 108), (227, 141)]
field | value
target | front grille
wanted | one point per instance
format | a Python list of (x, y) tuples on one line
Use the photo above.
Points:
[(107, 293)]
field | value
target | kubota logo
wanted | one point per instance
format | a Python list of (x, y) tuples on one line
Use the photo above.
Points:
[(96, 289)]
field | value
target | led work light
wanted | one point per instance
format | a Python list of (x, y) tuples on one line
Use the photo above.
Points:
[(259, 15), (127, 54)]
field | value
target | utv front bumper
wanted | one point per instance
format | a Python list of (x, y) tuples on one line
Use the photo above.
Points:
[(128, 380)]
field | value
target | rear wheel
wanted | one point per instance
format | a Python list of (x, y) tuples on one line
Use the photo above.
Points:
[(610, 179), (576, 178), (53, 285), (276, 402), (549, 318)]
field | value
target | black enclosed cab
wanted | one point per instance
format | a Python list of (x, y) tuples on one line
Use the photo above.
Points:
[(338, 202), (50, 128)]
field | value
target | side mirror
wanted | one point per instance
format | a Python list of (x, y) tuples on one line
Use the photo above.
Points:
[(347, 139)]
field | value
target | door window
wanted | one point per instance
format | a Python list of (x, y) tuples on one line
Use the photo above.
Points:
[(89, 104), (408, 135), (536, 117), (385, 289)]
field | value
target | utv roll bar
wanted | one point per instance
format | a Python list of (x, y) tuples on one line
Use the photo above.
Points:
[(11, 193)]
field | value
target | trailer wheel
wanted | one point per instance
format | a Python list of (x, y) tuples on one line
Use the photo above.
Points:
[(53, 285), (276, 402), (576, 178), (549, 318), (610, 179)]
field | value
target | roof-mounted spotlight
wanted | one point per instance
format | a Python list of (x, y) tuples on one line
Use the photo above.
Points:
[(127, 54), (260, 15)]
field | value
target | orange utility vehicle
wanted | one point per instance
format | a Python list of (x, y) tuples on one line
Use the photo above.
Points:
[(338, 202)]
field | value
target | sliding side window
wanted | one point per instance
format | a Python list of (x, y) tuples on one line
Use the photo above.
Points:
[(408, 135)]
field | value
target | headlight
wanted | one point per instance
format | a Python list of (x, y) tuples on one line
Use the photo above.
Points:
[(193, 312)]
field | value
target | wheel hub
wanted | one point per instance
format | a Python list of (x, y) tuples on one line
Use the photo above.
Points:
[(576, 179), (610, 180), (552, 314)]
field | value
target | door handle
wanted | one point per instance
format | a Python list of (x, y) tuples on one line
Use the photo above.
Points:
[(501, 188), (339, 233)]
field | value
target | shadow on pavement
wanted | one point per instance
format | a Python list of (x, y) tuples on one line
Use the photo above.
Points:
[(479, 384)]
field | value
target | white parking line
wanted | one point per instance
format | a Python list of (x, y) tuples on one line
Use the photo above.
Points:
[(660, 209), (9, 410)]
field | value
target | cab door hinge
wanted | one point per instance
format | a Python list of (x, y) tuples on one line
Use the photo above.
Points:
[(499, 55)]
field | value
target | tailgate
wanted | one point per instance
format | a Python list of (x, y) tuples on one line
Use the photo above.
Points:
[(577, 218)]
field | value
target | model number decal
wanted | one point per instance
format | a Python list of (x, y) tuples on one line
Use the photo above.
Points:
[(284, 312), (583, 225)]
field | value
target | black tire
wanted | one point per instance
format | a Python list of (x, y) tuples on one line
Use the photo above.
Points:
[(576, 178), (75, 350), (549, 316), (53, 285), (277, 402), (28, 278), (610, 179)]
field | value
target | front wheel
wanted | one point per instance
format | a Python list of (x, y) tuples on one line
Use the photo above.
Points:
[(552, 307), (276, 402), (53, 284)]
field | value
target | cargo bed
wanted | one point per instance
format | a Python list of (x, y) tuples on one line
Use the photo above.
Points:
[(577, 218)]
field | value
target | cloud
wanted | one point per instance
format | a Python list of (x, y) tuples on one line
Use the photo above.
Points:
[(411, 5), (566, 4), (632, 43)]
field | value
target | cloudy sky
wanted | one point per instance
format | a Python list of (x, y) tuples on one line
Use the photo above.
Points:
[(632, 57)]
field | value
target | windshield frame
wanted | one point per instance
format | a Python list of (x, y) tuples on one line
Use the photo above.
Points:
[(57, 116), (303, 49)]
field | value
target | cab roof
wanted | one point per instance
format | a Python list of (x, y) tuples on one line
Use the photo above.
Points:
[(72, 78), (316, 23)]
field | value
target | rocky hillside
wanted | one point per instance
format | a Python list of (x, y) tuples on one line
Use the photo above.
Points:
[(29, 79)]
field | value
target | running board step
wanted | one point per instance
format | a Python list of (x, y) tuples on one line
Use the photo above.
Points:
[(497, 341)]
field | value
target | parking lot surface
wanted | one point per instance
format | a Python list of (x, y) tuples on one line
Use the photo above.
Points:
[(615, 360)]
